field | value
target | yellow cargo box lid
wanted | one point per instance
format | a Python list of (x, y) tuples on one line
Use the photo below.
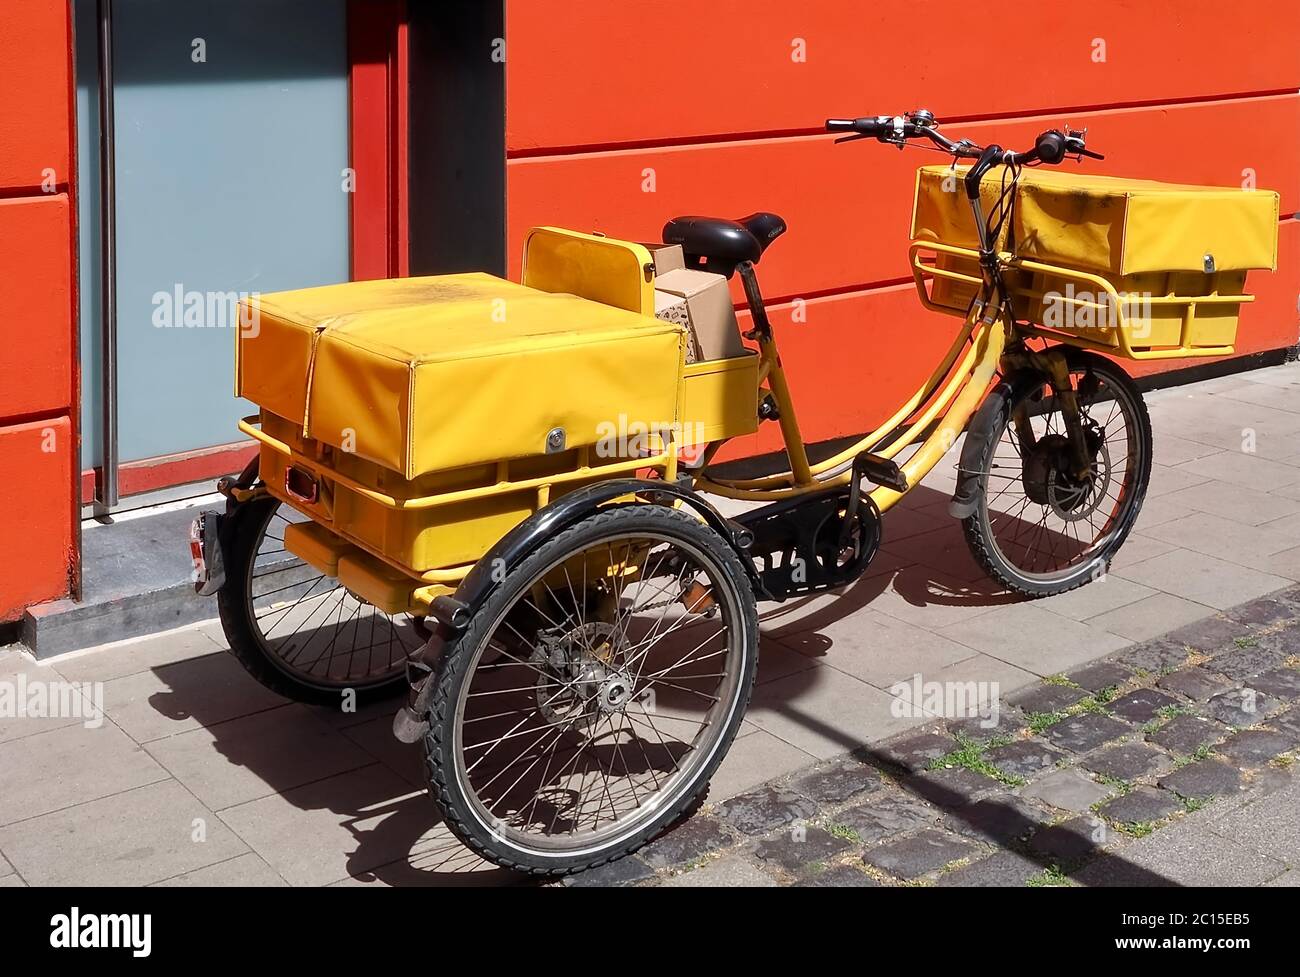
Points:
[(427, 374), (1107, 224)]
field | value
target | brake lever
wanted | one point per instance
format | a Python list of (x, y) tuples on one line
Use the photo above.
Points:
[(853, 138)]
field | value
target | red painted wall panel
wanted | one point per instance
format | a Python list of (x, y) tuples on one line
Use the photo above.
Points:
[(36, 531), (849, 206), (35, 128), (38, 440), (36, 299), (707, 100), (591, 72)]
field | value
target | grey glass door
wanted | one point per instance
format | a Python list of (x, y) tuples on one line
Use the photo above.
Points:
[(231, 141)]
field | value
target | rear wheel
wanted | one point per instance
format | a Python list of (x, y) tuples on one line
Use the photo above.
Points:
[(298, 631), (591, 698), (1036, 528)]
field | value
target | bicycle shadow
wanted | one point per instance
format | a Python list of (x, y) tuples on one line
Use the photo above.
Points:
[(322, 795)]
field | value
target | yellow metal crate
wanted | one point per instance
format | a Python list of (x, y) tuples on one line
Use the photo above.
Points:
[(437, 521), (1135, 268), (720, 400), (1153, 315)]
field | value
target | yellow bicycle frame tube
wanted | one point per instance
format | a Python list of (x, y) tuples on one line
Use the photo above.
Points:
[(953, 395)]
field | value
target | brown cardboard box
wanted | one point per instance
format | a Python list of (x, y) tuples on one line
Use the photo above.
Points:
[(667, 257), (712, 318), (672, 308)]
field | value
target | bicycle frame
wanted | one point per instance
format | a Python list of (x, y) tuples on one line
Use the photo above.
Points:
[(946, 401)]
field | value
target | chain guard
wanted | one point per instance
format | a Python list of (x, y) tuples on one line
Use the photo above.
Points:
[(797, 542)]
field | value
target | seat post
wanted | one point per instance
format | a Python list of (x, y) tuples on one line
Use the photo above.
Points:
[(754, 296), (794, 446)]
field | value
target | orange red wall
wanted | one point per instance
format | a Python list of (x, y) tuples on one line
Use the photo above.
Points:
[(621, 115), (37, 296)]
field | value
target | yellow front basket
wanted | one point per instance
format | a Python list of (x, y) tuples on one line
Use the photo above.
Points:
[(1132, 267)]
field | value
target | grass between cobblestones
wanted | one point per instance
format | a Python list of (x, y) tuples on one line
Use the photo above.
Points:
[(970, 755)]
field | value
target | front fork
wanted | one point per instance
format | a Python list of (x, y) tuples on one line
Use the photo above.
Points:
[(1052, 363)]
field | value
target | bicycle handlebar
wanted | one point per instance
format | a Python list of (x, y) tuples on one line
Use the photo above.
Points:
[(1051, 146)]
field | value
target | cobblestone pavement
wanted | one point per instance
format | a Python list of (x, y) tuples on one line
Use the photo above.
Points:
[(1169, 763)]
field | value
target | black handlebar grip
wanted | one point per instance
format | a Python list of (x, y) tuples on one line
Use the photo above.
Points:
[(866, 126), (1050, 146)]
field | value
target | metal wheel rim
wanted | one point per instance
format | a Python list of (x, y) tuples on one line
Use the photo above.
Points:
[(337, 619), (708, 738), (1119, 490)]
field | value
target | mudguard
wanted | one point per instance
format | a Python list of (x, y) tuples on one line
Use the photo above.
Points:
[(457, 610), (986, 423)]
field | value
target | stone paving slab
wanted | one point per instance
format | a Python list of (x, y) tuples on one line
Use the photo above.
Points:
[(839, 877), (1100, 676), (1194, 683), (1140, 705), (1177, 856), (1141, 806), (762, 810), (1130, 761), (1242, 707), (1003, 869), (89, 763), (886, 816), (1203, 780), (1185, 735), (697, 837), (1024, 759), (1085, 732), (924, 852), (838, 781), (1068, 790), (726, 873), (799, 849), (134, 837), (241, 872)]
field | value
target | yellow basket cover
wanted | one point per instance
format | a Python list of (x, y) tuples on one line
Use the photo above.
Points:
[(428, 374), (1107, 225)]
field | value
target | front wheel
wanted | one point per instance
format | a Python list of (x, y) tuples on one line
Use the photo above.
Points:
[(1037, 528), (592, 696)]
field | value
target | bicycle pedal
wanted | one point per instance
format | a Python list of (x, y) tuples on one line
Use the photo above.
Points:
[(880, 470)]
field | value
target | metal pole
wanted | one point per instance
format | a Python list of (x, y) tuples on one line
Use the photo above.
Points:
[(106, 498)]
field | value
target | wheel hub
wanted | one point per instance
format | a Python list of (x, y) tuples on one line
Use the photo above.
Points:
[(1049, 480), (580, 680)]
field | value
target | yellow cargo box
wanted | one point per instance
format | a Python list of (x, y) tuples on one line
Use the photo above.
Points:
[(1141, 269), (417, 421), (425, 375), (1105, 224)]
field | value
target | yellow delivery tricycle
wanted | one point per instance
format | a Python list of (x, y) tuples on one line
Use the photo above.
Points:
[(496, 495)]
